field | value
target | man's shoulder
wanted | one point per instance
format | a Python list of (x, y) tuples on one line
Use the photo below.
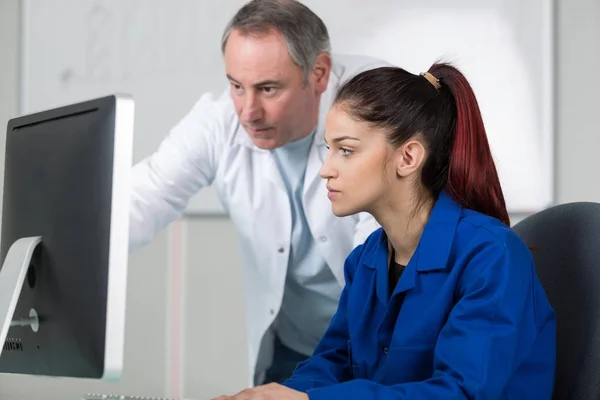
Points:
[(215, 112), (215, 104), (346, 66)]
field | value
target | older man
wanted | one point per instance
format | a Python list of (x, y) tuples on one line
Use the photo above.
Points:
[(261, 144)]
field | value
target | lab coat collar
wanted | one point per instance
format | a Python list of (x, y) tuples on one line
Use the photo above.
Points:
[(432, 253), (242, 137)]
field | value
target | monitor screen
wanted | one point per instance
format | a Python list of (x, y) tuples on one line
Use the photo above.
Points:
[(64, 240)]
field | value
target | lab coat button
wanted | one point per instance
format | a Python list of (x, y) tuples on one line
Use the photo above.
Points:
[(323, 239), (281, 250), (272, 311)]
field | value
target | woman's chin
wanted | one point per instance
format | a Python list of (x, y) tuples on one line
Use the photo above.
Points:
[(343, 211)]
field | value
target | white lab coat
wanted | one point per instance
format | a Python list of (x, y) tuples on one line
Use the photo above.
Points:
[(209, 146)]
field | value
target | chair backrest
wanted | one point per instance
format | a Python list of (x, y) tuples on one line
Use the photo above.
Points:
[(565, 242)]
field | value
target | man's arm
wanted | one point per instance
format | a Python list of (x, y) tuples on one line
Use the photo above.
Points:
[(329, 363), (185, 162)]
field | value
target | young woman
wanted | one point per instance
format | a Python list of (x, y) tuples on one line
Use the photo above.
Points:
[(443, 301)]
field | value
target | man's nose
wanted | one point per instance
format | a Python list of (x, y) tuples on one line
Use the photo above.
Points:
[(252, 110)]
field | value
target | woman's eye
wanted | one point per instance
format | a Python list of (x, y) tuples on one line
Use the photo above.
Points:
[(346, 152)]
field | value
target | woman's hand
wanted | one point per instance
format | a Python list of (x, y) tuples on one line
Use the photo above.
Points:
[(271, 391)]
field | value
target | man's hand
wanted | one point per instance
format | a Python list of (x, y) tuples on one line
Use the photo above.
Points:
[(271, 391)]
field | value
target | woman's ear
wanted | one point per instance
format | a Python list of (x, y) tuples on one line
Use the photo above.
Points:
[(409, 158)]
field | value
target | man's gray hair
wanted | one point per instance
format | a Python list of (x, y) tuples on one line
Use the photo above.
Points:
[(305, 33)]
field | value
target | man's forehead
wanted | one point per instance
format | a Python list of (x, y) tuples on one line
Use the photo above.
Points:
[(251, 60), (251, 75)]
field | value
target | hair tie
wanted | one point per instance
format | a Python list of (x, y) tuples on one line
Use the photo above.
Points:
[(432, 79)]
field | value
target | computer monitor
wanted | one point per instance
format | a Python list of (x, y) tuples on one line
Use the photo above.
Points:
[(64, 240)]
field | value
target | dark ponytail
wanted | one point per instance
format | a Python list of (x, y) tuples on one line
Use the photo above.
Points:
[(472, 177), (442, 108)]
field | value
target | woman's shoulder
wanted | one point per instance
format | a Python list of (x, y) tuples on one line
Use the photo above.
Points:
[(482, 241), (481, 229)]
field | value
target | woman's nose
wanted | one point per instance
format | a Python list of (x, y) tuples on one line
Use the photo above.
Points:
[(327, 171)]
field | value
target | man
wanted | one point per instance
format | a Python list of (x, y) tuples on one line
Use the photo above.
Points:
[(261, 143)]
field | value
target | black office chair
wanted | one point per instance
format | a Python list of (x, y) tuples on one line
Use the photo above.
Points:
[(565, 241)]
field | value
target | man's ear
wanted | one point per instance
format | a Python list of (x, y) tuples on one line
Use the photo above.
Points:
[(321, 71), (409, 158)]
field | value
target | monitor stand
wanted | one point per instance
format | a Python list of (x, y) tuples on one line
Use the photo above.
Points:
[(12, 276)]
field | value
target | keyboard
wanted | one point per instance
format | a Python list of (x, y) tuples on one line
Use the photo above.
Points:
[(95, 396)]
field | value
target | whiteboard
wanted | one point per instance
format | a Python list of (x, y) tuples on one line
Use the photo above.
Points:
[(167, 52)]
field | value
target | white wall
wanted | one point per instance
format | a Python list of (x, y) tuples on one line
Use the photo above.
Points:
[(578, 102), (9, 67), (213, 337)]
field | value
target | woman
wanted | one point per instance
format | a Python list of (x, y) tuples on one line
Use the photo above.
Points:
[(443, 301)]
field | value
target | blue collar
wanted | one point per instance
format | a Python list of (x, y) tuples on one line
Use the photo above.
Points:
[(432, 252)]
